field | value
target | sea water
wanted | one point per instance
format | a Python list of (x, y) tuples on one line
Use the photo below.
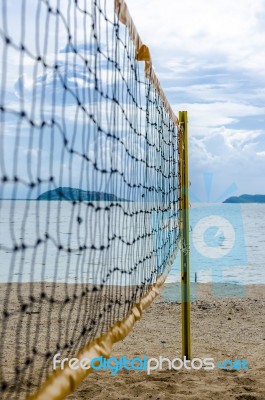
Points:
[(27, 221)]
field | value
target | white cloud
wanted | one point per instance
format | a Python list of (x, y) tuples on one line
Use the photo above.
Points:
[(203, 117), (191, 30)]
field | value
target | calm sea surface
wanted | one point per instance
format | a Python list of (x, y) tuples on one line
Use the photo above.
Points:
[(238, 239), (227, 243)]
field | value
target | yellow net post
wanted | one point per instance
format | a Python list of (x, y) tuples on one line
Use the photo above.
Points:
[(185, 261)]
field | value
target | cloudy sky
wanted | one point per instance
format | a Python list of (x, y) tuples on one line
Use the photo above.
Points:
[(210, 57)]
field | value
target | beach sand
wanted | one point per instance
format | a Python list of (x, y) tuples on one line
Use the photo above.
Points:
[(222, 328)]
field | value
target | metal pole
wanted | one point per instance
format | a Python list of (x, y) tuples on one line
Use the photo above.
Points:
[(185, 261)]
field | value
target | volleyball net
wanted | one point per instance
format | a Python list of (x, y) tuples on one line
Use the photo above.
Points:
[(89, 186)]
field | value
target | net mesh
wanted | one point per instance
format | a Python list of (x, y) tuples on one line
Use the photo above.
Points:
[(88, 182)]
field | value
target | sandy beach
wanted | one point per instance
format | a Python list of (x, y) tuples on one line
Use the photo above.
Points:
[(222, 328)]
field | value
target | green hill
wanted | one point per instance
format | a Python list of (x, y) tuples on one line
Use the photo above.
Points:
[(246, 198), (71, 194)]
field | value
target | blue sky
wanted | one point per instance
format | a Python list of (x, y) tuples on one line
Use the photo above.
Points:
[(209, 57)]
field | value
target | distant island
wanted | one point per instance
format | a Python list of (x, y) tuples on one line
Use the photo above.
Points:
[(246, 198), (71, 194)]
